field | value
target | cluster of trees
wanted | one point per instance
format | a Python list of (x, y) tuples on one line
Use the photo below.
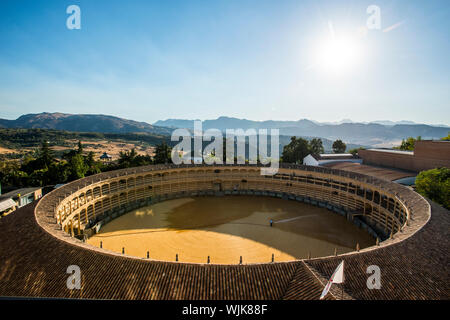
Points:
[(45, 169), (435, 185), (299, 148), (129, 159), (19, 138), (408, 143), (354, 151)]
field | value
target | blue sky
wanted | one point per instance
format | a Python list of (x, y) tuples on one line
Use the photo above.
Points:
[(254, 59)]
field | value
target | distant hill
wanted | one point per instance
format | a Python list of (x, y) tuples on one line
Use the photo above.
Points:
[(352, 133), (367, 134), (82, 123), (392, 123)]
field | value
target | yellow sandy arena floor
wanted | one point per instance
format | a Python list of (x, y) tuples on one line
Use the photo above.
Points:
[(226, 228)]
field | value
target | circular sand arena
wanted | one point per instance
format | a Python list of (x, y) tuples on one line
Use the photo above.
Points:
[(226, 228)]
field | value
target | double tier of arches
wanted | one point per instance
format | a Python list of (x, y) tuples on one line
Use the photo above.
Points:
[(92, 201)]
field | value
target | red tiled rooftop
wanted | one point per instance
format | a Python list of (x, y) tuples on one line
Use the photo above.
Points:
[(35, 256)]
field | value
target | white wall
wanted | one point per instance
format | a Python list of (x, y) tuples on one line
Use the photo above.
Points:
[(309, 160)]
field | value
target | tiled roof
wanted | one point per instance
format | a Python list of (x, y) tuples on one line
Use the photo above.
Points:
[(35, 257), (416, 268), (34, 264)]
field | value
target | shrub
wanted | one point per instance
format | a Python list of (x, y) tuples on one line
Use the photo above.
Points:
[(435, 185)]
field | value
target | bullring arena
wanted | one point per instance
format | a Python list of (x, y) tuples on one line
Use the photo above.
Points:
[(203, 232)]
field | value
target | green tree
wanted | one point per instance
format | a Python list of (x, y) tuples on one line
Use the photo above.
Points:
[(93, 167), (58, 173), (90, 161), (295, 151), (162, 153), (409, 143), (316, 146), (339, 146), (127, 158), (355, 150), (435, 185), (38, 178), (80, 147), (45, 158), (77, 167), (131, 158), (142, 160), (68, 155), (11, 174)]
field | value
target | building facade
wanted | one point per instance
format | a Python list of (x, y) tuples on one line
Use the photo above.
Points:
[(426, 155), (18, 198)]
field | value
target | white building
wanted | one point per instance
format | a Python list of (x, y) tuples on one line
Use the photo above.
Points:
[(18, 198), (324, 158)]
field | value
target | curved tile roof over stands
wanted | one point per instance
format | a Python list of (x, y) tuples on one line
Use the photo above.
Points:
[(416, 268), (34, 264), (35, 255)]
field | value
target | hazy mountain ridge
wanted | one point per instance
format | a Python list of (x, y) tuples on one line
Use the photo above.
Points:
[(353, 132), (82, 123), (178, 123), (366, 134)]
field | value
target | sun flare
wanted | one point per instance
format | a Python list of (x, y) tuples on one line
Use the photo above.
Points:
[(338, 54)]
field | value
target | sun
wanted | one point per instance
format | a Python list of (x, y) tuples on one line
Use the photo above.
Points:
[(338, 54)]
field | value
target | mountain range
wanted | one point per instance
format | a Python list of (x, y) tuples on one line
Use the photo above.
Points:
[(365, 134), (82, 123)]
